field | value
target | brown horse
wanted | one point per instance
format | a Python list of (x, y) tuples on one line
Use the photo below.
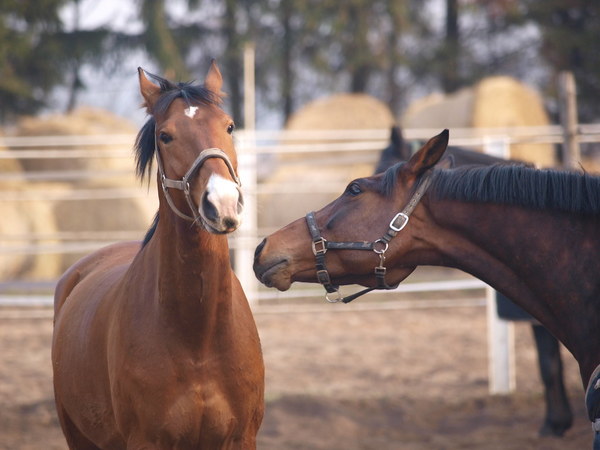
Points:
[(531, 234), (154, 343), (559, 417)]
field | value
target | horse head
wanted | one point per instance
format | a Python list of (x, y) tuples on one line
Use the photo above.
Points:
[(364, 215), (191, 137)]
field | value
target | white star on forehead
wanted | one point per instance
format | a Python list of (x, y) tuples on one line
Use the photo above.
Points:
[(191, 111)]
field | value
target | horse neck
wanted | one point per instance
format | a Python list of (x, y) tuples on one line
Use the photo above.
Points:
[(194, 274), (522, 253)]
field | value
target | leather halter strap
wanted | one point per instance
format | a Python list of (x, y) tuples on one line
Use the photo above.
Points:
[(320, 245), (184, 183)]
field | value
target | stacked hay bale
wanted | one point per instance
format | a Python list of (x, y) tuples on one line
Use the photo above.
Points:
[(334, 169), (495, 102), (21, 222), (104, 178)]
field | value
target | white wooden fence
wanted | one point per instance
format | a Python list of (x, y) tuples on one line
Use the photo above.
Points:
[(255, 149)]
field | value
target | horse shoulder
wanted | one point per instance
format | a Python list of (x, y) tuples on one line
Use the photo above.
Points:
[(100, 260)]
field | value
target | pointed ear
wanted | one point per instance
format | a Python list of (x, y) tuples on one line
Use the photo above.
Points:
[(214, 81), (429, 154), (401, 150), (149, 90)]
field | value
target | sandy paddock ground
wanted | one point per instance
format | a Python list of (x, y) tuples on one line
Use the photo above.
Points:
[(340, 378)]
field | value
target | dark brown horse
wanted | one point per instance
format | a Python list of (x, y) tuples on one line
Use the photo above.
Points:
[(531, 234), (559, 417), (154, 343)]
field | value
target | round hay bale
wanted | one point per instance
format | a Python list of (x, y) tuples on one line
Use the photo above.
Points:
[(333, 168), (83, 217), (495, 102), (25, 225), (342, 112), (21, 222), (103, 215), (80, 122), (505, 102), (441, 111)]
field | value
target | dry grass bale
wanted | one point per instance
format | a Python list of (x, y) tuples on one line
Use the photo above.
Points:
[(495, 102), (75, 217), (342, 112), (81, 122), (25, 225), (20, 223), (334, 168), (441, 111), (103, 216), (506, 102)]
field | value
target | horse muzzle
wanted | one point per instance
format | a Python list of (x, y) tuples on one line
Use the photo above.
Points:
[(272, 270)]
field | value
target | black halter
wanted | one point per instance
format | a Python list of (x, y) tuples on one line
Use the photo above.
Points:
[(320, 245)]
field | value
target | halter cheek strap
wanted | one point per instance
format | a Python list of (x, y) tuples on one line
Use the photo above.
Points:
[(184, 183), (320, 245)]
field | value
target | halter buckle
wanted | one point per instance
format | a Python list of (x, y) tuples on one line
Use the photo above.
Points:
[(380, 271), (323, 277), (404, 218), (322, 242)]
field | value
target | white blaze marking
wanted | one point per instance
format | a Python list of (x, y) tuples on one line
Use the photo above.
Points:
[(224, 195), (191, 111)]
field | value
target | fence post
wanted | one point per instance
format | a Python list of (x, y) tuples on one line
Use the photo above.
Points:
[(568, 119), (501, 345)]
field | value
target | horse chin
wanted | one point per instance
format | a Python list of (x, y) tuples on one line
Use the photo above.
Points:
[(224, 226), (275, 274)]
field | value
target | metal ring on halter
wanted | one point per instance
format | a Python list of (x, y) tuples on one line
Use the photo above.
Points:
[(337, 299), (385, 246)]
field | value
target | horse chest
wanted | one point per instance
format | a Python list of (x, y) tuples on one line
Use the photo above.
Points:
[(182, 406)]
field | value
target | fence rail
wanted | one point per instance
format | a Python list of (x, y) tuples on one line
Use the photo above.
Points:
[(331, 148)]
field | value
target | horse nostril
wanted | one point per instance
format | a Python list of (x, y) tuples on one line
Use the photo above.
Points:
[(210, 211), (259, 248), (230, 223)]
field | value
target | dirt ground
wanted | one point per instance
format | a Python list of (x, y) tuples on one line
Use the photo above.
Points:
[(340, 378)]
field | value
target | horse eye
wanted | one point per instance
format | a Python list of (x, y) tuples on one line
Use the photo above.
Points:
[(230, 128), (165, 138), (354, 189)]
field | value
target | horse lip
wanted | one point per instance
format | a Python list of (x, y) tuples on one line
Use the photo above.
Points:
[(265, 273)]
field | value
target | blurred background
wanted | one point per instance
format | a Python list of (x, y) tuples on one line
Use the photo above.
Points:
[(315, 88), (61, 54)]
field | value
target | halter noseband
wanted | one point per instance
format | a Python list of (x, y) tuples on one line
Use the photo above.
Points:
[(184, 184), (320, 245)]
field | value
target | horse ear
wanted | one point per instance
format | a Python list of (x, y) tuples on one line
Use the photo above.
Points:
[(149, 90), (399, 146), (214, 81), (429, 154)]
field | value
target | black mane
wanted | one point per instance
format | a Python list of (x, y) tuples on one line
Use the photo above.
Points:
[(191, 93), (522, 186)]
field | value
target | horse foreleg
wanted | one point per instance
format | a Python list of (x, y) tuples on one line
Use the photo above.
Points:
[(559, 416)]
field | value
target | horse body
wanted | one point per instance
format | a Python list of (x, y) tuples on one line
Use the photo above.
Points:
[(155, 344), (532, 235), (559, 416), (548, 281)]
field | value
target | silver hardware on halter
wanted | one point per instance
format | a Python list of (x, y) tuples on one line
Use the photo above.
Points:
[(336, 299), (397, 228), (382, 250), (322, 250)]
